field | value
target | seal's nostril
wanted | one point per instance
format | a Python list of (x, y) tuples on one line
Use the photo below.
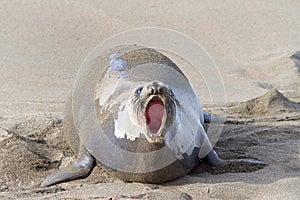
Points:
[(152, 90)]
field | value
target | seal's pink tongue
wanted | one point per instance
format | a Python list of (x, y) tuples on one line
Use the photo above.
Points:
[(154, 115)]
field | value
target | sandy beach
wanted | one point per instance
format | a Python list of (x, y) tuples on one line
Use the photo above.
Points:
[(254, 44)]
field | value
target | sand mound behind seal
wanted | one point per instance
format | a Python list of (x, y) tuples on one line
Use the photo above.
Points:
[(272, 102)]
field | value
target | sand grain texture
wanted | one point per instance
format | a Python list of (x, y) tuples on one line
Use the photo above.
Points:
[(255, 45)]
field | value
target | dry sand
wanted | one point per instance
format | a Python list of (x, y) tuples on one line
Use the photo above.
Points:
[(255, 44)]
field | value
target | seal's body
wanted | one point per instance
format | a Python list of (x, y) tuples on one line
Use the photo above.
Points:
[(134, 112)]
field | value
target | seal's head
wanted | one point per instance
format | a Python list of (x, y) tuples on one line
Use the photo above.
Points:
[(153, 107)]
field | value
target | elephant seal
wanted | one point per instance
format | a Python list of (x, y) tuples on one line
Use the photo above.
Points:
[(134, 112)]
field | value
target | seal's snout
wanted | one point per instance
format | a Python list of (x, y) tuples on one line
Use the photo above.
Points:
[(156, 87)]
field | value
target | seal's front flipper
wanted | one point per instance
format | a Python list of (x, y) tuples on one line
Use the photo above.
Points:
[(240, 166), (213, 159), (253, 162), (82, 168), (208, 118)]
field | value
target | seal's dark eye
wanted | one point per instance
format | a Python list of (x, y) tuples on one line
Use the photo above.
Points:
[(139, 91)]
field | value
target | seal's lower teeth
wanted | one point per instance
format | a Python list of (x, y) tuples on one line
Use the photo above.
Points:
[(154, 115)]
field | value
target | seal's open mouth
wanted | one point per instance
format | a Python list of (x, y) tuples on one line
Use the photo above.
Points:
[(155, 113)]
